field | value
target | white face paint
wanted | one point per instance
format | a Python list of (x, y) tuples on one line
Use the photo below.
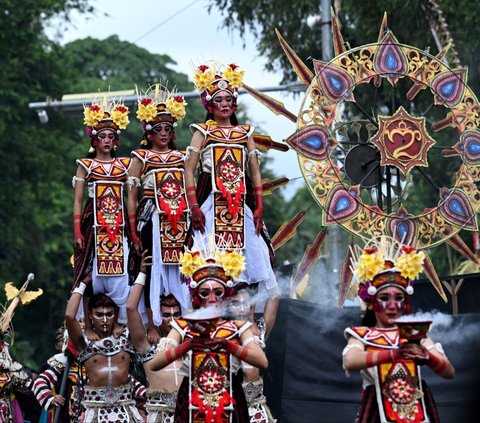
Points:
[(103, 318)]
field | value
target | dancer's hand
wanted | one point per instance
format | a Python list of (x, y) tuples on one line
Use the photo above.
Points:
[(146, 261), (57, 400), (198, 219)]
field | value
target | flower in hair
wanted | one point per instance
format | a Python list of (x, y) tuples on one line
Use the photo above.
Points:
[(176, 106), (234, 75), (120, 116), (146, 110), (190, 261), (410, 263), (369, 264), (93, 114), (232, 262), (203, 78)]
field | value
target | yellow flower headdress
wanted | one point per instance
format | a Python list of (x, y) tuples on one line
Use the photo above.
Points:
[(385, 262), (211, 263), (105, 114), (213, 77), (159, 105)]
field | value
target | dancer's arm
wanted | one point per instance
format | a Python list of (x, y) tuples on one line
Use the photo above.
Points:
[(77, 207), (135, 324), (164, 357), (198, 218), (133, 179)]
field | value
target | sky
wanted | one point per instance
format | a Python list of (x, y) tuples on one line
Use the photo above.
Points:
[(185, 31)]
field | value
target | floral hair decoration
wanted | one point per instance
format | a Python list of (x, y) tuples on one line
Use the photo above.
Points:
[(385, 262), (104, 114), (211, 263), (212, 78), (159, 105)]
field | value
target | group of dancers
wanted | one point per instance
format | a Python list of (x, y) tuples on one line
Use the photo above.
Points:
[(175, 294)]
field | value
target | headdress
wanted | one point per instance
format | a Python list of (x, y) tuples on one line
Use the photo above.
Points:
[(159, 105), (385, 262), (211, 78), (15, 297), (104, 114), (211, 263)]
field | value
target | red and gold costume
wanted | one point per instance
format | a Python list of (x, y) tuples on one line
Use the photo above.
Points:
[(396, 386), (102, 224), (211, 388), (393, 390)]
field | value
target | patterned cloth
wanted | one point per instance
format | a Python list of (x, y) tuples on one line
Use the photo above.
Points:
[(110, 404)]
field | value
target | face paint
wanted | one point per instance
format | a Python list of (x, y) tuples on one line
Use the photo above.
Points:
[(103, 318), (389, 305), (211, 292), (239, 306)]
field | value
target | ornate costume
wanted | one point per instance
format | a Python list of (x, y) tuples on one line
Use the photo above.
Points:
[(108, 403), (393, 392), (211, 385), (224, 191), (161, 215), (393, 388), (102, 223), (47, 385), (16, 398)]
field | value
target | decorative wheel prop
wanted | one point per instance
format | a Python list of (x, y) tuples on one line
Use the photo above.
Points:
[(362, 162)]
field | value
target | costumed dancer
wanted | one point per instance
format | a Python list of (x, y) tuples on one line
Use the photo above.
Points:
[(388, 361), (109, 395), (212, 347), (48, 386), (100, 231), (159, 222), (228, 198), (16, 399), (162, 384), (241, 307)]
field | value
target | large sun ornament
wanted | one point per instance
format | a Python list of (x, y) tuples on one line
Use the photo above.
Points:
[(362, 182)]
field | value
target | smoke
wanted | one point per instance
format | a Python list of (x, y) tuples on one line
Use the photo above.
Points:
[(448, 330)]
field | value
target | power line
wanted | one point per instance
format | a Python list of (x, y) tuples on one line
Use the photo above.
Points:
[(166, 20)]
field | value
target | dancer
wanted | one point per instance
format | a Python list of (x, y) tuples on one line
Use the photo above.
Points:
[(241, 307), (158, 223), (162, 384), (109, 394), (228, 198), (211, 347), (100, 238), (16, 399), (389, 363), (47, 387)]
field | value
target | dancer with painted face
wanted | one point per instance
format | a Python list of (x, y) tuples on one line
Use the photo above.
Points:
[(99, 231), (109, 394), (163, 384), (212, 347), (387, 356), (159, 221), (241, 307), (227, 200)]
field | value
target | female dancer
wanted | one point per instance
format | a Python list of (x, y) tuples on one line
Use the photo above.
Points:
[(212, 348), (227, 202), (158, 223), (100, 238), (388, 362)]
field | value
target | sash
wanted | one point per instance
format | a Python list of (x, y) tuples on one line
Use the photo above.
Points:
[(171, 203), (108, 228), (228, 185), (210, 388)]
